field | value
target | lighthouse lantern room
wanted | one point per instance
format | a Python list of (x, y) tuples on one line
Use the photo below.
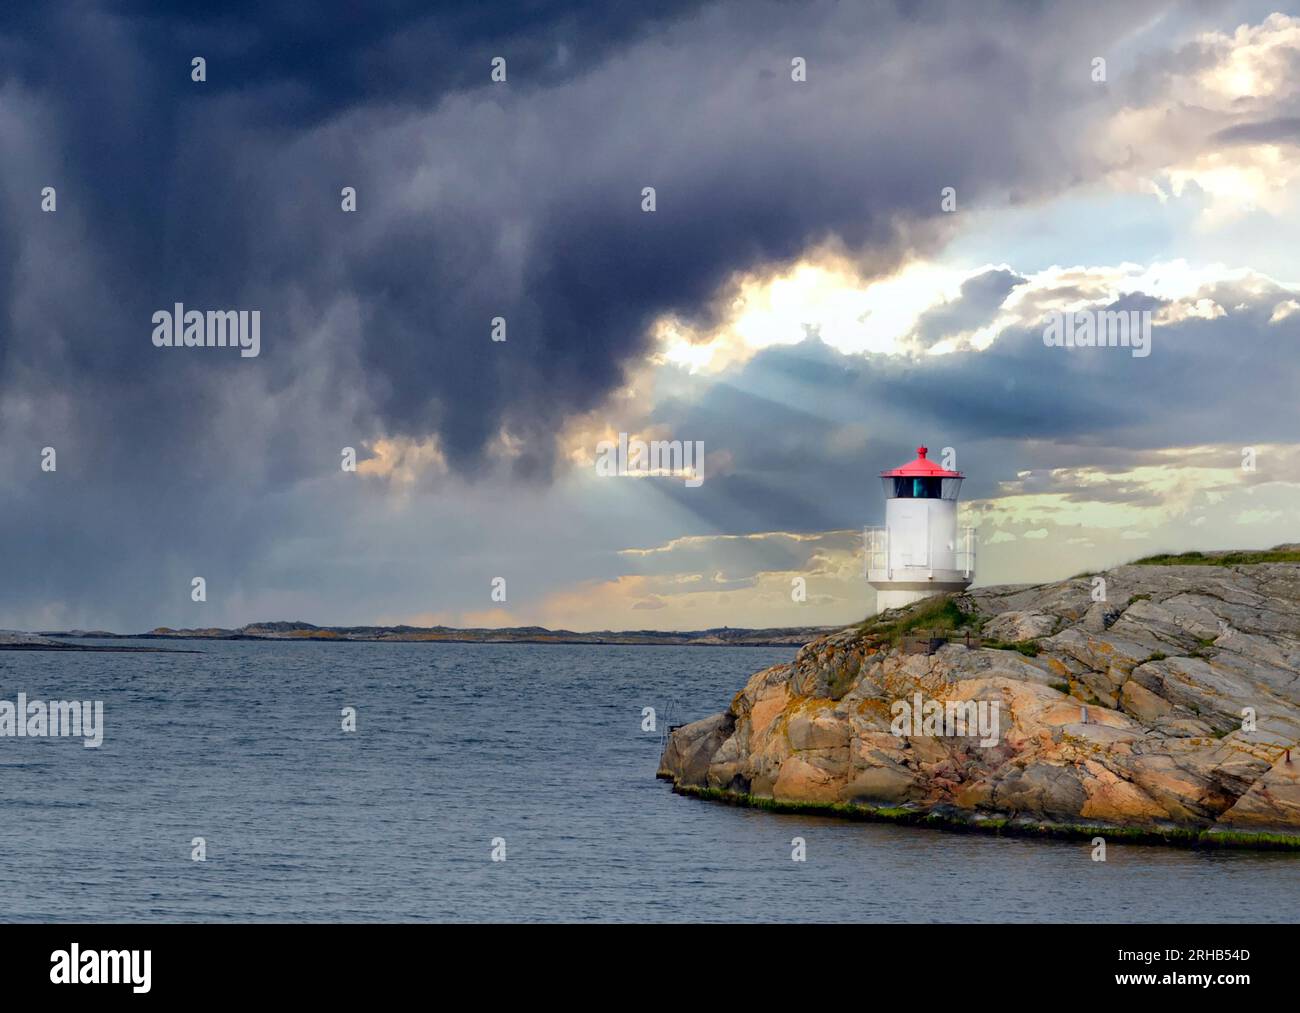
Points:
[(919, 551)]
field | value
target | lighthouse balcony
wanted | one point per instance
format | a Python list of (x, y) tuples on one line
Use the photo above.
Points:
[(918, 579)]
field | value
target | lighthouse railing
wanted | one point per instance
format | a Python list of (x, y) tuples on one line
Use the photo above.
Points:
[(875, 546), (875, 543), (965, 553)]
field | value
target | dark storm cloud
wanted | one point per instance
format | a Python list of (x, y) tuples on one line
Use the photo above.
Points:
[(220, 193), (475, 200), (310, 61)]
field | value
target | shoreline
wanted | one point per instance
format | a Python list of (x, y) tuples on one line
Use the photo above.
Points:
[(1181, 837)]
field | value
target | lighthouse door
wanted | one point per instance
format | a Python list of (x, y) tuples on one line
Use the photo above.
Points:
[(909, 531)]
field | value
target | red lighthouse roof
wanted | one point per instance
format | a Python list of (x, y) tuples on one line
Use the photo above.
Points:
[(921, 468)]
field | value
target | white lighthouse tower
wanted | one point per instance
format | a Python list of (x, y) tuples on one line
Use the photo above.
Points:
[(920, 551)]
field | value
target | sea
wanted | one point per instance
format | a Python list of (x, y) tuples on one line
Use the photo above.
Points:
[(492, 783)]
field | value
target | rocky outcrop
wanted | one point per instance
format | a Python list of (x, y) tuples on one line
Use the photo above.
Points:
[(15, 641), (1165, 709)]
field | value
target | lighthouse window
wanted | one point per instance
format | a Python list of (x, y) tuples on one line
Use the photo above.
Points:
[(917, 488)]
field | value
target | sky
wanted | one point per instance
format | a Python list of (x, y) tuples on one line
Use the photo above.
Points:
[(860, 220)]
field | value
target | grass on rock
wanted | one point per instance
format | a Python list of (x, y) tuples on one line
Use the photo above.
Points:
[(1221, 559), (940, 614)]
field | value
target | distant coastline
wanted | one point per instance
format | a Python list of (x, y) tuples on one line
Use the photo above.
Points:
[(14, 641), (723, 636)]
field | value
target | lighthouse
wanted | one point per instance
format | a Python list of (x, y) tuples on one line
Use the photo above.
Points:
[(920, 551)]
